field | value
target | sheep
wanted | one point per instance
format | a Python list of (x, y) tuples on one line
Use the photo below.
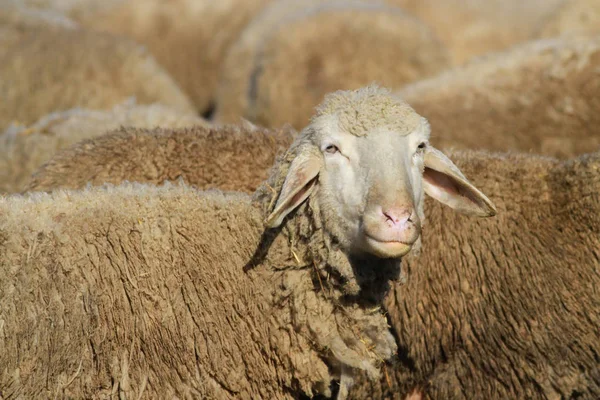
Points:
[(117, 290), (508, 309), (471, 28), (188, 37), (24, 149), (292, 53), (227, 157), (573, 17), (450, 306), (94, 71), (541, 96)]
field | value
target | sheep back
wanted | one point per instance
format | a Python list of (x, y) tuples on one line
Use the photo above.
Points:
[(25, 149), (333, 44), (188, 37), (471, 28), (94, 70), (573, 17), (227, 157), (141, 290), (540, 96)]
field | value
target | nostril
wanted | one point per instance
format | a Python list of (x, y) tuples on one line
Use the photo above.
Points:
[(389, 217), (396, 217)]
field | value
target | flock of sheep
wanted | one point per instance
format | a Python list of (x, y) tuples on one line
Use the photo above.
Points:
[(212, 199)]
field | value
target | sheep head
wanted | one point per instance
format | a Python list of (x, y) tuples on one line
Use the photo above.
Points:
[(367, 159)]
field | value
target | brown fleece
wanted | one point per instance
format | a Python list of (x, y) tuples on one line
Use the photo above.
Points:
[(188, 37), (293, 53), (141, 292), (25, 149), (506, 308), (573, 17), (488, 318), (470, 28), (226, 157), (44, 69), (541, 96), (135, 290)]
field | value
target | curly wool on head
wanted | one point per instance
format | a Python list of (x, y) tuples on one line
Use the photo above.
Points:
[(361, 111)]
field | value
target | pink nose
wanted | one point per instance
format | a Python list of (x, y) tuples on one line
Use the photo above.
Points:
[(398, 218), (401, 224), (392, 224)]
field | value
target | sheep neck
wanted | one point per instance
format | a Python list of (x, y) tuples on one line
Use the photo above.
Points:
[(330, 298)]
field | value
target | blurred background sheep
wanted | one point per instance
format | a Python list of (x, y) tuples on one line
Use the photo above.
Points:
[(540, 96), (333, 45), (49, 67), (470, 28), (573, 17), (13, 12), (188, 37), (81, 79), (271, 61)]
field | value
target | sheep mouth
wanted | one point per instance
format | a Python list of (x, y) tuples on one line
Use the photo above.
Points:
[(386, 248)]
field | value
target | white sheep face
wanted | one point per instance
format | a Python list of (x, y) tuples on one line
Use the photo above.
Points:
[(370, 187)]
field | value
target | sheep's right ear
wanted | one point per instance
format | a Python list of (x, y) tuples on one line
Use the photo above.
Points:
[(299, 183)]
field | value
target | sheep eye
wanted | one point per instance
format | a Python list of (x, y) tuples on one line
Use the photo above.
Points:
[(331, 149), (421, 146)]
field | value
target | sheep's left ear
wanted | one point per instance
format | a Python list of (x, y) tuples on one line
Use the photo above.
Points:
[(299, 183), (444, 182)]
